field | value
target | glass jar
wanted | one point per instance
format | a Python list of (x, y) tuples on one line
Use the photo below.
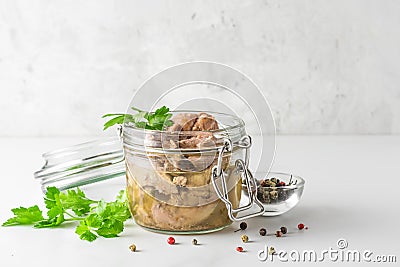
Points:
[(170, 189)]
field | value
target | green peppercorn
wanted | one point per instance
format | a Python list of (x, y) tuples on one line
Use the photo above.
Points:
[(271, 250), (284, 230), (132, 247), (245, 238), (271, 184), (263, 231), (273, 194)]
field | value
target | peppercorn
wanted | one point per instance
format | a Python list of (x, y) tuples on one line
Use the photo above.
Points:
[(273, 194), (239, 249), (132, 247), (263, 231), (274, 190), (171, 240), (242, 226), (282, 195), (284, 230), (271, 184), (260, 196), (245, 238), (300, 226), (278, 234), (271, 250), (266, 197), (194, 242)]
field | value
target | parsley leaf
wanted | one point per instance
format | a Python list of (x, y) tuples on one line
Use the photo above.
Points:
[(76, 201), (56, 209), (50, 197), (96, 218), (110, 228), (107, 219), (84, 232), (146, 120), (25, 216), (84, 229), (118, 119)]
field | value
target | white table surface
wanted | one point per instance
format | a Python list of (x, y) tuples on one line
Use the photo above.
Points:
[(351, 192)]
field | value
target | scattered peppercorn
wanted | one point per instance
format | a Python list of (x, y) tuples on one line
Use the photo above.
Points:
[(278, 234), (243, 226), (263, 231), (300, 226), (306, 228), (271, 250), (245, 238), (284, 230), (239, 249), (171, 240), (132, 247), (194, 242)]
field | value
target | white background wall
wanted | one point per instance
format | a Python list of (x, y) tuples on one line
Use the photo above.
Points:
[(326, 67)]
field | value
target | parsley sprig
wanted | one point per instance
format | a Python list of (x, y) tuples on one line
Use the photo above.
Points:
[(142, 119), (96, 218)]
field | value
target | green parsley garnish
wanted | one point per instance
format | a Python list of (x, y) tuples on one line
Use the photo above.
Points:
[(142, 119), (97, 218)]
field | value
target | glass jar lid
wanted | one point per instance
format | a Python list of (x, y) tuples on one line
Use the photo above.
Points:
[(82, 164)]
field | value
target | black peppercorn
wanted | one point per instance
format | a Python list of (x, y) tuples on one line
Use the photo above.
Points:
[(263, 232), (243, 225), (284, 230), (260, 196)]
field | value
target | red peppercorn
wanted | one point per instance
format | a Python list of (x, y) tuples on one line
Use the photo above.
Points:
[(300, 226), (171, 240), (278, 234), (239, 249), (282, 183)]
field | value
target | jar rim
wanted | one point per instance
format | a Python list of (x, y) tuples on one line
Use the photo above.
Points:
[(134, 137), (239, 120)]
